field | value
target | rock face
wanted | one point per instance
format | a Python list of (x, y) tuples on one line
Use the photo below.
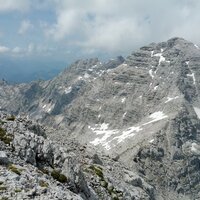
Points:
[(3, 158), (142, 112), (33, 166)]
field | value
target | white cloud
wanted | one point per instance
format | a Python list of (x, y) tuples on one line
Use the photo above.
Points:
[(95, 27), (17, 50), (4, 49), (25, 27), (31, 49), (12, 5), (115, 25)]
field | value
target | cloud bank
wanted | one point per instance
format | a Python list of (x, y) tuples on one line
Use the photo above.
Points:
[(96, 26), (113, 25), (14, 5), (25, 27)]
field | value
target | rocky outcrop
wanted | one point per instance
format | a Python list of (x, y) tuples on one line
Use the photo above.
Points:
[(33, 166)]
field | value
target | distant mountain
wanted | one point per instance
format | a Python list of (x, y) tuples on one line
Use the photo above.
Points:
[(21, 71), (142, 111)]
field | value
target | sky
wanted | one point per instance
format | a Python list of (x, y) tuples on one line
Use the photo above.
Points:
[(62, 31)]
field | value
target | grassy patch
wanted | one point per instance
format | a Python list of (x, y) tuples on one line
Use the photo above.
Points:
[(4, 198), (111, 190), (98, 171), (44, 171), (18, 190), (7, 139), (15, 169), (3, 188), (2, 122), (58, 176), (43, 183), (11, 118)]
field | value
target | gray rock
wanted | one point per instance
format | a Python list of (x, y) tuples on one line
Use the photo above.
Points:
[(4, 160)]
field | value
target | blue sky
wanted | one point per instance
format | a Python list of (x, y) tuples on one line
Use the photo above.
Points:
[(66, 30)]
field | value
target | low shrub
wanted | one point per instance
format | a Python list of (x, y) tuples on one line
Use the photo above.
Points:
[(11, 118), (15, 169), (58, 176)]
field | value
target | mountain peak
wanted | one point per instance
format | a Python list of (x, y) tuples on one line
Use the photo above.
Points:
[(143, 110)]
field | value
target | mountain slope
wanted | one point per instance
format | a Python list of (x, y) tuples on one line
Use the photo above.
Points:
[(142, 111)]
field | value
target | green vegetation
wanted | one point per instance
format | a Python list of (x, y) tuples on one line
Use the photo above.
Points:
[(18, 190), (4, 198), (111, 190), (43, 183), (11, 118), (4, 137), (44, 171), (98, 171), (58, 176), (15, 169), (2, 188), (2, 122)]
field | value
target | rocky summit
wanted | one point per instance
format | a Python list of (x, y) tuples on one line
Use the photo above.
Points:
[(125, 129)]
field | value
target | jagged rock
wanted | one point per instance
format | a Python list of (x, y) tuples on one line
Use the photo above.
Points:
[(96, 159), (3, 158)]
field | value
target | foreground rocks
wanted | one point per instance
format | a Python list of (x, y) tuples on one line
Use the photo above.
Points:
[(34, 167)]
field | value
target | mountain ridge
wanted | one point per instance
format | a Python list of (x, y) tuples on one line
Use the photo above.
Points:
[(142, 111)]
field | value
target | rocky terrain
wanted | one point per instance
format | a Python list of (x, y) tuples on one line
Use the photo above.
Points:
[(34, 167), (131, 124)]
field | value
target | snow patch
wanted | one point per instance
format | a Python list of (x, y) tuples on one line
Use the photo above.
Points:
[(195, 148), (102, 130), (156, 87), (130, 132), (171, 99), (68, 90), (151, 73), (124, 114), (162, 58), (86, 75), (152, 53), (94, 66), (157, 55), (100, 73), (193, 77), (80, 78), (105, 135), (48, 107), (106, 139), (157, 116), (196, 46), (197, 110), (151, 141), (104, 126), (123, 100)]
